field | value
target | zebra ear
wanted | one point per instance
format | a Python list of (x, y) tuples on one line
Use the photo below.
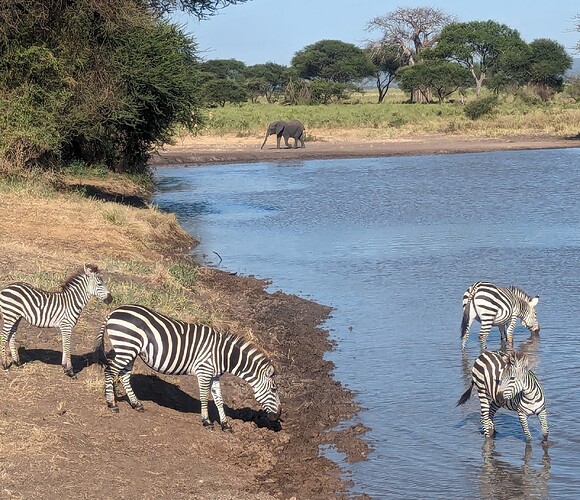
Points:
[(534, 301)]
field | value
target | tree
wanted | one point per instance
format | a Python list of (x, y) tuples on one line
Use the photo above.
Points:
[(547, 65), (411, 29), (481, 47), (99, 81), (219, 92), (387, 59), (226, 69), (273, 78), (441, 77), (332, 60)]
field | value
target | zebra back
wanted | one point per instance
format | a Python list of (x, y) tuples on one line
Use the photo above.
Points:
[(46, 309), (175, 347)]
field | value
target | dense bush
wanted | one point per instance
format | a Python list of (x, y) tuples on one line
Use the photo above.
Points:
[(480, 107), (103, 82)]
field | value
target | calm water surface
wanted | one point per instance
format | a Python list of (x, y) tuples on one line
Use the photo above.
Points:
[(392, 244)]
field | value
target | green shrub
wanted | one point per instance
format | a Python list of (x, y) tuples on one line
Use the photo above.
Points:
[(480, 107)]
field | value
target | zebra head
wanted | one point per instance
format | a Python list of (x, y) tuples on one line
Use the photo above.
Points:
[(529, 314), (514, 375), (95, 285), (266, 392)]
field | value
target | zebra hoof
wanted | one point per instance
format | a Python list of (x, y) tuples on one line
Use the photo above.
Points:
[(208, 425), (227, 427), (138, 407), (113, 408)]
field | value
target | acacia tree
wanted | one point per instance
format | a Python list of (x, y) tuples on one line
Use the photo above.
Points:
[(481, 47), (268, 79), (412, 30), (439, 77), (548, 63), (332, 60), (387, 58)]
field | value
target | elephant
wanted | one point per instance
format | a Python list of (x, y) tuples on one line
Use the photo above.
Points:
[(286, 129)]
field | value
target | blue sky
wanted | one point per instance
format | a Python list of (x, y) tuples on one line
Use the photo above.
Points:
[(259, 31)]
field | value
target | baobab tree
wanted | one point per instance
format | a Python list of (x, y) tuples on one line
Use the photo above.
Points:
[(412, 30)]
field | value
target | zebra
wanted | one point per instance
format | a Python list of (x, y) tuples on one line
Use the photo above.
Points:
[(49, 309), (504, 380), (174, 347), (501, 306)]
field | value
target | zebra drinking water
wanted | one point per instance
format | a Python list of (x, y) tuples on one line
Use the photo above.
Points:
[(49, 309), (500, 306), (504, 380), (178, 348)]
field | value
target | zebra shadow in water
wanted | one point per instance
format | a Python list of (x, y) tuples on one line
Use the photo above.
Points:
[(52, 357), (498, 478), (155, 389)]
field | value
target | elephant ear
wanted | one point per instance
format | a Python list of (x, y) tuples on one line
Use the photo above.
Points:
[(279, 127)]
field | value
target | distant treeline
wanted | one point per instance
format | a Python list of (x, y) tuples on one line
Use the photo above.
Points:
[(106, 81)]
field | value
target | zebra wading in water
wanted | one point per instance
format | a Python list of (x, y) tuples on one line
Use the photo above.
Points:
[(492, 305), (177, 348), (49, 309), (504, 380)]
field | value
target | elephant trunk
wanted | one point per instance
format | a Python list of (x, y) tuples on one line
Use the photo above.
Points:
[(265, 138)]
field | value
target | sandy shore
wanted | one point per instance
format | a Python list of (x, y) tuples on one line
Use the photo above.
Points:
[(206, 150)]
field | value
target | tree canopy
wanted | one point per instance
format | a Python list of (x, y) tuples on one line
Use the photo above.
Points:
[(480, 47), (332, 60)]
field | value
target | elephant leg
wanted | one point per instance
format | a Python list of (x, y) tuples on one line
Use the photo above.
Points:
[(278, 137), (286, 137)]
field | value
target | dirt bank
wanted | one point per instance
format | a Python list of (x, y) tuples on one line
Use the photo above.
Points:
[(205, 150)]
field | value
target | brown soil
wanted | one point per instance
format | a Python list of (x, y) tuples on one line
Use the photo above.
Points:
[(57, 438)]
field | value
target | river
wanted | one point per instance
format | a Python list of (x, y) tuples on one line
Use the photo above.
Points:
[(392, 244)]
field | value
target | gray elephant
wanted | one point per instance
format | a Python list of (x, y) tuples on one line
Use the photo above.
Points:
[(286, 129)]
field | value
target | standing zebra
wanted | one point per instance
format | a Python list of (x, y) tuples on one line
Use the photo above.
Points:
[(49, 309), (504, 380), (178, 348), (501, 306)]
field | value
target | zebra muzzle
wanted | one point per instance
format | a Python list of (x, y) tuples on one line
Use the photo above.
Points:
[(108, 299)]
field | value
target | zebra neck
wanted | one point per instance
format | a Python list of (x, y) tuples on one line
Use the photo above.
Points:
[(77, 290), (243, 359)]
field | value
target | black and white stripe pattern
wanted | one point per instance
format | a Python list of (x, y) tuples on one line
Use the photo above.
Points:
[(504, 380), (492, 305), (178, 348), (49, 309)]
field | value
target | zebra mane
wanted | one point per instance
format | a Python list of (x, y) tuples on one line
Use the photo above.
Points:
[(519, 293), (239, 341), (73, 277)]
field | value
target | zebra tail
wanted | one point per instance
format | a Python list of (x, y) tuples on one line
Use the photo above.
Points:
[(99, 347), (466, 395), (465, 319)]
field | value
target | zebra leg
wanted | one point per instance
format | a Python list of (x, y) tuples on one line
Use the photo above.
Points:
[(543, 417), (204, 385), (483, 333), (8, 337), (216, 392), (487, 414), (510, 331), (524, 423), (110, 375), (66, 333), (126, 381)]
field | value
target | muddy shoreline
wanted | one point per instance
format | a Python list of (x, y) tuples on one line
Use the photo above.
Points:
[(235, 150)]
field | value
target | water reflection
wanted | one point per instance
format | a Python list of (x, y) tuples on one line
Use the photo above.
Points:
[(499, 478)]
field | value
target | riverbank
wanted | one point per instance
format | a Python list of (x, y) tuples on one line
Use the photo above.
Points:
[(230, 149), (57, 438)]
